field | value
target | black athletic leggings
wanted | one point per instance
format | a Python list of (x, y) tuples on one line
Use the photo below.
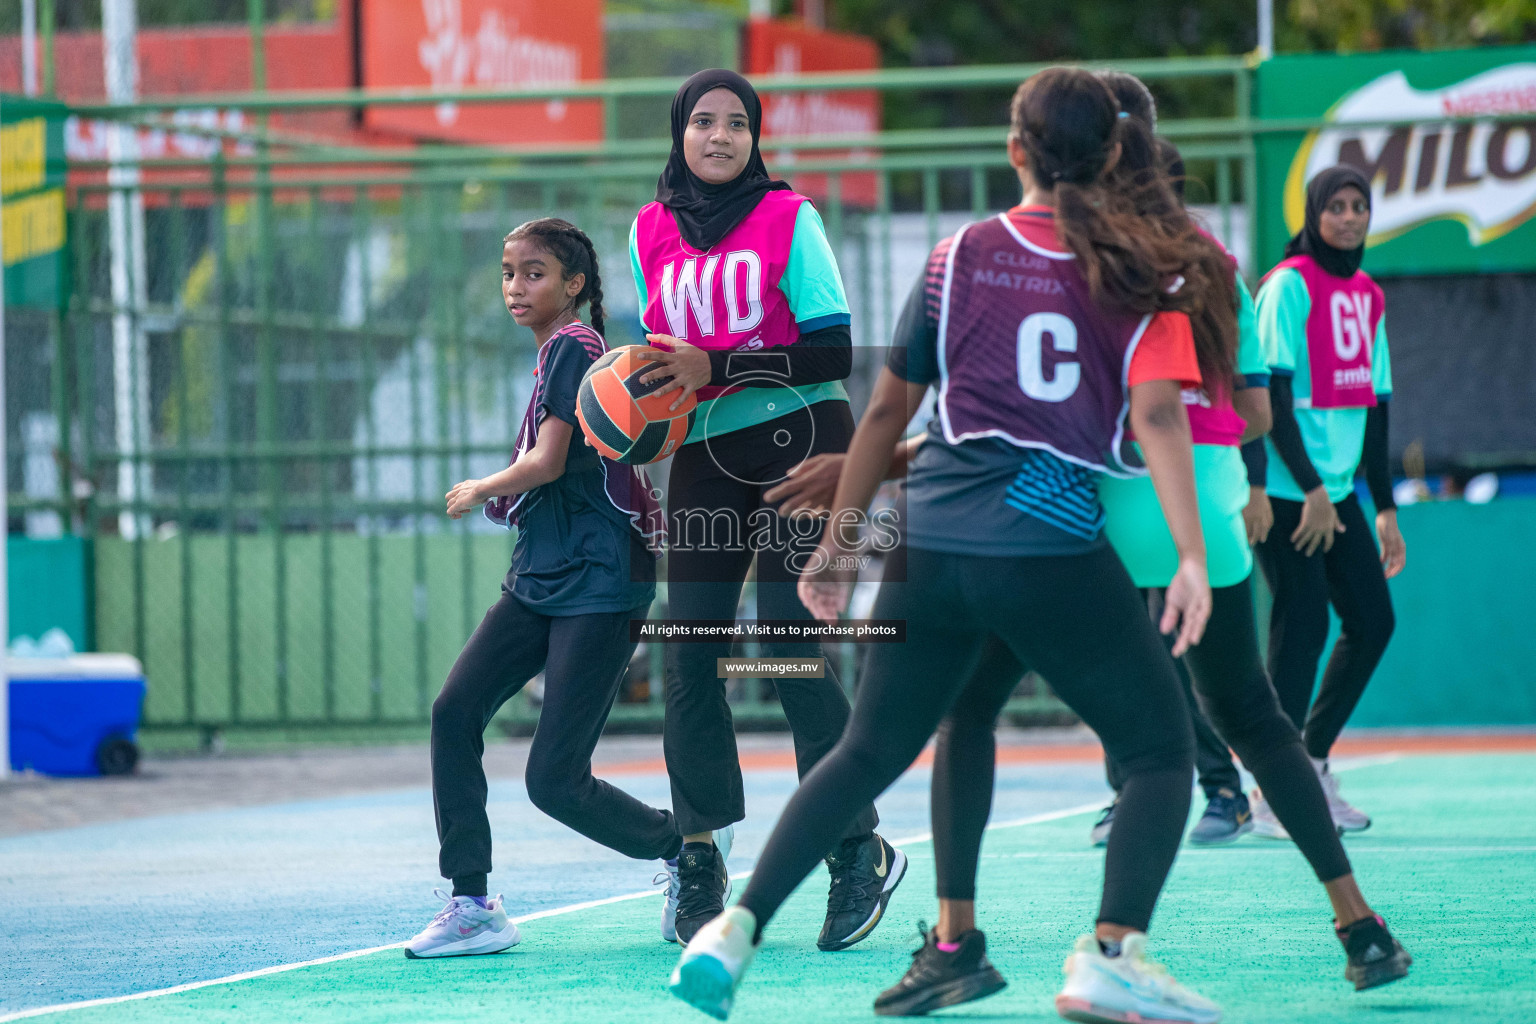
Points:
[(1079, 621), (1349, 577), (718, 521), (583, 658), (1213, 761), (1231, 688)]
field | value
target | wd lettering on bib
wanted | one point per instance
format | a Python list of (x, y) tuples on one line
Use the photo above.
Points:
[(1341, 332), (728, 297), (1066, 393)]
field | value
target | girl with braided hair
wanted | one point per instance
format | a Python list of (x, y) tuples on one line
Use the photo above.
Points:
[(588, 534)]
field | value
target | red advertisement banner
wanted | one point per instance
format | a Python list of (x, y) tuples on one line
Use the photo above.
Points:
[(452, 45), (791, 48)]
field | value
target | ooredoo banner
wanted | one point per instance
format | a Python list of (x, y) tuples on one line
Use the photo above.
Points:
[(1447, 196), (452, 45), (790, 48)]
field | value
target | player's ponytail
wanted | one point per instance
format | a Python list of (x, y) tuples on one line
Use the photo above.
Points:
[(1150, 171), (577, 255), (1073, 133)]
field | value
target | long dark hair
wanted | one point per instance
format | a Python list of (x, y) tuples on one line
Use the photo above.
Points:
[(1145, 173), (570, 245), (1132, 238)]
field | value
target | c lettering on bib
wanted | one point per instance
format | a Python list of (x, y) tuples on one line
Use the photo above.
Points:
[(1068, 373), (1351, 315)]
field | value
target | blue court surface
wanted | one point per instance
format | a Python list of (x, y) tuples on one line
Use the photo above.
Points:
[(112, 909)]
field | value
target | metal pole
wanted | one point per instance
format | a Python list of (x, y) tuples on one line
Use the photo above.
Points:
[(29, 47), (1266, 29), (48, 23), (5, 539), (125, 215)]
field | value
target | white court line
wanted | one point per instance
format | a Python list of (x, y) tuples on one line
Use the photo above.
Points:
[(1265, 847), (1034, 819)]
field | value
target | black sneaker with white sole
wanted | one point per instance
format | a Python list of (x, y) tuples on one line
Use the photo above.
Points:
[(1375, 957), (937, 978), (702, 885), (864, 874)]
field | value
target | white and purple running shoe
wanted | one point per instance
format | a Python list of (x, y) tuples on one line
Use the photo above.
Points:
[(464, 928)]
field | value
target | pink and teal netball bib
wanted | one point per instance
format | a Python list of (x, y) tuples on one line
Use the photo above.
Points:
[(1212, 420), (727, 297), (1341, 334)]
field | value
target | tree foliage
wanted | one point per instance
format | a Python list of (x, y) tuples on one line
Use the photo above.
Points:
[(1414, 24)]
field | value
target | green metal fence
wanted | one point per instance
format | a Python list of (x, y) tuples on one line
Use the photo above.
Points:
[(256, 431)]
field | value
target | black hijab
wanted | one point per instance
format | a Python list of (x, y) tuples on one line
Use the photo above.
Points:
[(1309, 240), (706, 213)]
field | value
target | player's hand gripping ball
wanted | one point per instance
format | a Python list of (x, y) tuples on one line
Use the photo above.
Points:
[(623, 418)]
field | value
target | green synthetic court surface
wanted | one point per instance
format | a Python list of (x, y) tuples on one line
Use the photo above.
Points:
[(1451, 863)]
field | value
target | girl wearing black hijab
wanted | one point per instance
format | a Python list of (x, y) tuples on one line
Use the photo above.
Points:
[(741, 296), (1321, 320)]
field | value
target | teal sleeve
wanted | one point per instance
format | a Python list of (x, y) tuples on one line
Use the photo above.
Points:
[(1381, 361), (634, 268), (811, 280), (1281, 312), (1251, 364)]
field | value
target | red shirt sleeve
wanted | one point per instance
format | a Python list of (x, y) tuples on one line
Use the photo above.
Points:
[(1166, 352)]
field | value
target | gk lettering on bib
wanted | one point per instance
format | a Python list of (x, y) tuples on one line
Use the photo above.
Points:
[(729, 296), (1341, 334), (1027, 356)]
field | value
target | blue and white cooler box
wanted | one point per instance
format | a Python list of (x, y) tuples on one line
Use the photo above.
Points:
[(77, 715)]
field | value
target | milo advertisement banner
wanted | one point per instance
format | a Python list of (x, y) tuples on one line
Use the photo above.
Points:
[(1452, 191)]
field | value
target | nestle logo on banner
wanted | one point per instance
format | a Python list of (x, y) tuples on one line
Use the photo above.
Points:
[(1482, 174), (496, 55)]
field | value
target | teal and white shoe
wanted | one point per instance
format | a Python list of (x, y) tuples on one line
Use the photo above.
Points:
[(714, 962), (464, 928), (1127, 989)]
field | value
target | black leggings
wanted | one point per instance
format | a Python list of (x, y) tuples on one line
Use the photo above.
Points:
[(1213, 761), (718, 522), (1232, 689), (1079, 621), (583, 658), (1350, 578)]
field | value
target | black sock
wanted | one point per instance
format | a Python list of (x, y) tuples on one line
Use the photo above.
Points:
[(470, 885)]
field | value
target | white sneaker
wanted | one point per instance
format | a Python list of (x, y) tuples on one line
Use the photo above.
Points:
[(723, 837), (1346, 818), (1099, 834), (1127, 989), (1265, 823), (713, 964), (464, 928)]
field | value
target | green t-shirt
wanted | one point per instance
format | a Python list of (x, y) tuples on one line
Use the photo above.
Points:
[(814, 289), (1334, 438), (1252, 367)]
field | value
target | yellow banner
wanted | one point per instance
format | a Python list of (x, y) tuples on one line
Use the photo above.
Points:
[(23, 154), (34, 226)]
